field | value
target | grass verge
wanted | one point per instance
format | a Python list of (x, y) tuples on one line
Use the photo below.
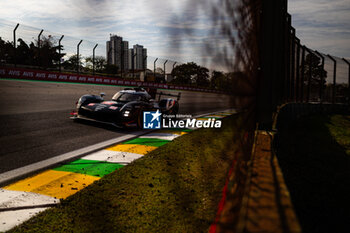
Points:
[(314, 154), (175, 188)]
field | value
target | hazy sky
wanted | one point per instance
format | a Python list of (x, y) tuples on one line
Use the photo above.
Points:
[(160, 25), (323, 25)]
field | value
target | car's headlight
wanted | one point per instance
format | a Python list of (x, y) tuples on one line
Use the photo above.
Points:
[(126, 113)]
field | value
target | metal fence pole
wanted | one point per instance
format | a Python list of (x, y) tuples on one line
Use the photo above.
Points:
[(272, 67), (154, 68), (310, 75), (122, 60), (14, 45), (173, 66), (93, 60), (322, 77), (297, 81), (334, 77), (59, 53), (39, 46), (164, 69), (347, 62), (292, 79), (288, 46), (302, 73), (78, 58)]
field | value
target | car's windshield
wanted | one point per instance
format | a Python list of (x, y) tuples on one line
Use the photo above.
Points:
[(126, 97)]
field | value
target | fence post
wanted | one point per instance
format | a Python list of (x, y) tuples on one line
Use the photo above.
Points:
[(14, 45), (288, 45), (272, 60), (173, 66), (39, 45), (154, 68), (310, 75), (78, 58), (302, 72), (93, 60), (297, 81), (164, 69), (347, 62), (59, 53), (334, 77), (292, 83), (322, 77)]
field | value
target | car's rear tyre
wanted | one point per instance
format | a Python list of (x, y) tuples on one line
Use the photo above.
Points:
[(139, 120)]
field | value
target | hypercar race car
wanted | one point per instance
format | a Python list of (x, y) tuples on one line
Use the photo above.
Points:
[(126, 107)]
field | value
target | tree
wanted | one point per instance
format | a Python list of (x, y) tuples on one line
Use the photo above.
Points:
[(29, 54), (100, 63), (48, 51), (111, 69), (218, 80), (6, 51), (71, 63), (201, 77), (24, 53), (191, 73), (316, 71)]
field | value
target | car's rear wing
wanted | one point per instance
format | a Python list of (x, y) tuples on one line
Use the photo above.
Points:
[(160, 94)]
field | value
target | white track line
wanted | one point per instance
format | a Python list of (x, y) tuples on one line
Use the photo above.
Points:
[(113, 156), (163, 136), (9, 199), (13, 174)]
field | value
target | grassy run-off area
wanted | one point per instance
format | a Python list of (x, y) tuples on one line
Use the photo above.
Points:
[(314, 154), (175, 188)]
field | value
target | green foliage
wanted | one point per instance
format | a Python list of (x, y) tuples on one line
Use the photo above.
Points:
[(71, 63), (191, 73), (100, 63), (317, 73), (46, 56), (111, 69)]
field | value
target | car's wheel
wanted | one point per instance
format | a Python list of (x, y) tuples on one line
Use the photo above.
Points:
[(139, 120)]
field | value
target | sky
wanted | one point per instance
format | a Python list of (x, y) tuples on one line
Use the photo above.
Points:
[(323, 25), (161, 26)]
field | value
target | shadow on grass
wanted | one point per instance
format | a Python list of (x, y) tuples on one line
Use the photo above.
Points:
[(316, 169)]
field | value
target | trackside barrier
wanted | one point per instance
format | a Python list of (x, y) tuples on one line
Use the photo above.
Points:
[(28, 74)]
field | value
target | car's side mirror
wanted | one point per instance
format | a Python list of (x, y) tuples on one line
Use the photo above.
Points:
[(102, 94)]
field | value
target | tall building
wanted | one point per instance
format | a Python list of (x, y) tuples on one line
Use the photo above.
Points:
[(140, 58), (144, 58), (125, 55), (131, 63), (116, 50), (119, 54)]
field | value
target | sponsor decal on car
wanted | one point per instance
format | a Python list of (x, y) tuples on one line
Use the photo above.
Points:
[(108, 102)]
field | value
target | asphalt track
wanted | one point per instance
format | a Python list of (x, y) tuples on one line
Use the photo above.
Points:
[(35, 124)]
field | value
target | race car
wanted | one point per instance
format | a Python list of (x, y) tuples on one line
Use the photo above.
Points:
[(126, 107)]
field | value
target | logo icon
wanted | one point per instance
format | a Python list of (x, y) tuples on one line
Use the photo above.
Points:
[(151, 120)]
